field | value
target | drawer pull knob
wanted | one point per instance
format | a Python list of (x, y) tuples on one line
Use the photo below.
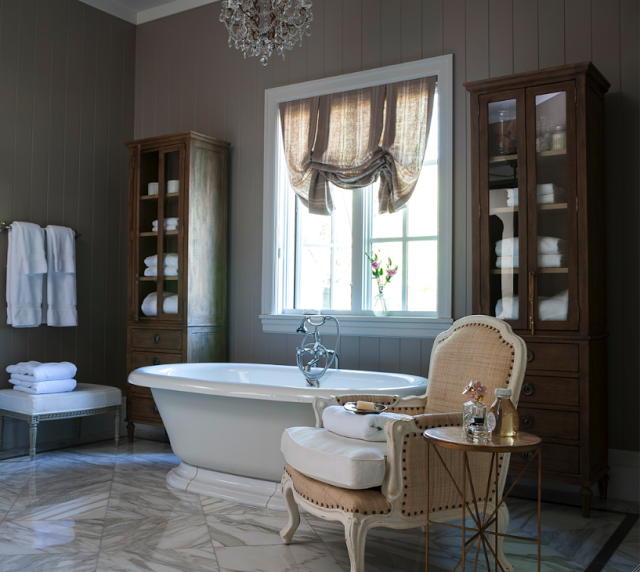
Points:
[(154, 408), (528, 455), (530, 356), (528, 389), (156, 338), (527, 421), (155, 361)]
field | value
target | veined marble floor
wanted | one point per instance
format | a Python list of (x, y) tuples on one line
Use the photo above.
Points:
[(94, 508)]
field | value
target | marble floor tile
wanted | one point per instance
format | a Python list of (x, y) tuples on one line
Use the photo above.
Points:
[(59, 481), (85, 503), (186, 560), (293, 558), (249, 526), (6, 501), (139, 482), (50, 536), (146, 462), (157, 533), (160, 503), (49, 563)]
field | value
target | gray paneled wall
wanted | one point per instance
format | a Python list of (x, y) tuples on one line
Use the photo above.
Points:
[(67, 77), (187, 78)]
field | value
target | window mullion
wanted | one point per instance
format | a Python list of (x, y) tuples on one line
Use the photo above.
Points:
[(405, 246)]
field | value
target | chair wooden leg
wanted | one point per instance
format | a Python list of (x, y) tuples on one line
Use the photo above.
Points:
[(286, 534), (503, 525), (356, 537), (33, 433), (130, 429)]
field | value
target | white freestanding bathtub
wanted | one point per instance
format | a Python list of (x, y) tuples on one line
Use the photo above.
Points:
[(225, 420)]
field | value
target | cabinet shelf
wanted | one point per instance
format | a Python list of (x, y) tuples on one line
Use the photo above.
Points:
[(549, 207), (503, 158), (538, 271), (155, 197), (166, 233), (155, 278)]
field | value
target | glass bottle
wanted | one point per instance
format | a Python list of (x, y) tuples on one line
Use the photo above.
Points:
[(507, 418), (473, 413), (380, 305)]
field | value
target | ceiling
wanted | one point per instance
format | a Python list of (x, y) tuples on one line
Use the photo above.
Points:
[(141, 11)]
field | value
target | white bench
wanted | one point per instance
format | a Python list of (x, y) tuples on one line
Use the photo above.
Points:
[(86, 399)]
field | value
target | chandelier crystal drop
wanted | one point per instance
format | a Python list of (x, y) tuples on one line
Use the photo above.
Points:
[(261, 27)]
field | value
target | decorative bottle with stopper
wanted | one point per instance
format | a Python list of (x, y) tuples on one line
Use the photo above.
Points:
[(474, 413), (506, 416)]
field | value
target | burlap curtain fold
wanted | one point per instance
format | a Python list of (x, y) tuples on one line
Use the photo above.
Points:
[(350, 139)]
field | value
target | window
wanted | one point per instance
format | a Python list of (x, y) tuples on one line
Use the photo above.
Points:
[(317, 263)]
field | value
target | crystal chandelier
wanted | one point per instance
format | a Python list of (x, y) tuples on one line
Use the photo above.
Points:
[(261, 27)]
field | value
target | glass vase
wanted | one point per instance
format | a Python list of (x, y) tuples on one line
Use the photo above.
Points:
[(380, 305), (473, 413)]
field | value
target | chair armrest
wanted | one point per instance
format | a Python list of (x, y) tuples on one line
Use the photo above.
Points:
[(397, 432)]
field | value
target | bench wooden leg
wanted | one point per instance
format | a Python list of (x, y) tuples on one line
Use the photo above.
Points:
[(130, 429), (33, 432), (116, 419)]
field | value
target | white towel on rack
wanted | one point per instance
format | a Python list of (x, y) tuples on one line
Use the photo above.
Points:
[(26, 264), (168, 259), (166, 271), (61, 277)]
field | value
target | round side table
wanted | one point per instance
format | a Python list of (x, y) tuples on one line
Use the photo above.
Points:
[(453, 438)]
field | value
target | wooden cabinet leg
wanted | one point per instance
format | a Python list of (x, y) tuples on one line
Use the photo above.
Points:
[(603, 485), (130, 428), (586, 494)]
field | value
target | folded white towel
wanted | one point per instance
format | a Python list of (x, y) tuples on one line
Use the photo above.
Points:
[(36, 371), (54, 386), (546, 245), (348, 424), (169, 305), (168, 222), (555, 308), (166, 271), (61, 277), (544, 261), (168, 259), (26, 264), (542, 199), (544, 189)]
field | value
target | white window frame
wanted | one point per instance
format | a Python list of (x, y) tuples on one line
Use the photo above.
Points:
[(277, 238)]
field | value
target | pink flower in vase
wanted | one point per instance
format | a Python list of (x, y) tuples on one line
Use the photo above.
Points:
[(375, 265), (392, 272)]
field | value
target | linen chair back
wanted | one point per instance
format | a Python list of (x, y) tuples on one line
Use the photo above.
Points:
[(473, 349)]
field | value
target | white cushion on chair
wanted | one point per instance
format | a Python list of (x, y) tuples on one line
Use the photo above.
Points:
[(84, 396), (333, 459)]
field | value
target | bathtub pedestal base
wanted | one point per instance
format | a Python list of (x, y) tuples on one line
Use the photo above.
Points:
[(243, 490)]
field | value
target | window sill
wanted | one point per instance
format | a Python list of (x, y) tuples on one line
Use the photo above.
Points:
[(366, 326)]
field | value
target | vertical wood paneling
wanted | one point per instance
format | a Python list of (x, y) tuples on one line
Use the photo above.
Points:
[(550, 33), (150, 64), (500, 38), (204, 52), (488, 38), (525, 35), (352, 35), (391, 32), (190, 60), (164, 82), (411, 30), (58, 107), (577, 31), (333, 38), (371, 35), (432, 28)]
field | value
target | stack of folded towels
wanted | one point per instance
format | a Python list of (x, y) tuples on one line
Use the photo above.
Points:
[(169, 224), (552, 252), (550, 309), (149, 305), (36, 377), (348, 424), (547, 194), (169, 265)]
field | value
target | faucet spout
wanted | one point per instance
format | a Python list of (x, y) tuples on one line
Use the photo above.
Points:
[(316, 350)]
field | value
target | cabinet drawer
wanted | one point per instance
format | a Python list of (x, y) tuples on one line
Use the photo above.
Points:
[(144, 408), (549, 423), (555, 458), (144, 359), (550, 391), (156, 339), (553, 357)]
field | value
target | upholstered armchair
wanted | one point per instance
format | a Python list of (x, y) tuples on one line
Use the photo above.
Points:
[(474, 348)]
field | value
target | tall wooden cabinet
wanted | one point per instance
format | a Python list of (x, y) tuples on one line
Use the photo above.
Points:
[(537, 160), (177, 301)]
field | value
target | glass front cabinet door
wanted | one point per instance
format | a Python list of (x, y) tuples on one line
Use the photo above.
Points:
[(527, 207)]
